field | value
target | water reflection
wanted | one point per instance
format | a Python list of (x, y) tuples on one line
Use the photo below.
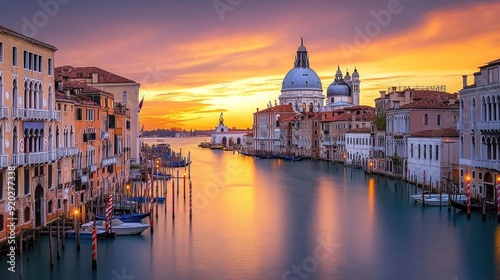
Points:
[(257, 219)]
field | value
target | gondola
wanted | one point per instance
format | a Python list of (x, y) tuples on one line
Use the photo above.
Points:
[(477, 206)]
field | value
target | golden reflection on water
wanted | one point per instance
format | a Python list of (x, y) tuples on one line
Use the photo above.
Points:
[(497, 246)]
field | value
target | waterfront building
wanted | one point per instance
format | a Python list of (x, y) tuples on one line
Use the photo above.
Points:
[(266, 128), (421, 110), (67, 152), (432, 153), (336, 123), (359, 146), (225, 137), (479, 126), (300, 135), (27, 124), (393, 98), (124, 91)]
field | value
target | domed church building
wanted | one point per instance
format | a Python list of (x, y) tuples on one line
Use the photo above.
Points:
[(343, 92), (301, 86)]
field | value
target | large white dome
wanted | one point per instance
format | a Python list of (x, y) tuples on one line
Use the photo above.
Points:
[(300, 78)]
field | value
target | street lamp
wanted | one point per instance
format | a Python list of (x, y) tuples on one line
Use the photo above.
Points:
[(77, 231)]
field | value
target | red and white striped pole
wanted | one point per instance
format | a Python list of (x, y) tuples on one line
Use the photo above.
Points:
[(190, 200), (94, 247), (109, 212), (468, 197), (498, 197)]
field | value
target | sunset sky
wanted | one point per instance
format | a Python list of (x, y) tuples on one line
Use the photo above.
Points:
[(198, 58)]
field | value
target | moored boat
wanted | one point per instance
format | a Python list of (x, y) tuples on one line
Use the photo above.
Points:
[(436, 201), (134, 217), (118, 227), (474, 206), (86, 234)]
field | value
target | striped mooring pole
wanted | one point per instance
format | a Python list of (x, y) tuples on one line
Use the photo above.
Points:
[(94, 247)]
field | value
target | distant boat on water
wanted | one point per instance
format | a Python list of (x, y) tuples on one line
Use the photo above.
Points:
[(179, 163)]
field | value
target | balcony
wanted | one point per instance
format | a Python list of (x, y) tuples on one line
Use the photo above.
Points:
[(485, 163), (108, 161), (104, 135), (73, 151), (56, 115), (67, 152), (486, 126), (4, 161), (35, 114), (34, 158), (4, 114), (17, 113), (92, 168), (37, 158)]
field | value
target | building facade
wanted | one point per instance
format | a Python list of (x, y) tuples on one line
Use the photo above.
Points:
[(27, 124), (432, 157), (479, 126)]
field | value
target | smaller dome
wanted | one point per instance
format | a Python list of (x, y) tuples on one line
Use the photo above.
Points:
[(338, 88), (355, 74), (302, 49), (347, 76)]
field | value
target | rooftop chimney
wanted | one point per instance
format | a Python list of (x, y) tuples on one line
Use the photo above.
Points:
[(393, 89), (382, 94), (95, 78), (464, 81)]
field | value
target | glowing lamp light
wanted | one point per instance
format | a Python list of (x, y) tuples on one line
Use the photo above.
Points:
[(76, 212), (468, 178)]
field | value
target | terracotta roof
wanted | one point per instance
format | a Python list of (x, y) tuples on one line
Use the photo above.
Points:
[(430, 103), (342, 117), (443, 132), (61, 96), (367, 116), (360, 130), (278, 108), (359, 107), (287, 118), (86, 73), (84, 87)]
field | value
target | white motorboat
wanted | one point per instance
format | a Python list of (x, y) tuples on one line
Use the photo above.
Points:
[(119, 228), (444, 200), (418, 197)]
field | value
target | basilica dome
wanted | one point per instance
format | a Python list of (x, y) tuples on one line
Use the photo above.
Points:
[(301, 79), (301, 76), (338, 88)]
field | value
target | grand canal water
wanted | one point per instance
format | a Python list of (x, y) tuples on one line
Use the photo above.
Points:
[(270, 219)]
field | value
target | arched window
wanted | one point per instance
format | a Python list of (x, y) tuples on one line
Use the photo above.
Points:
[(473, 110), (438, 121), (27, 214), (14, 93), (124, 96), (50, 207), (426, 119)]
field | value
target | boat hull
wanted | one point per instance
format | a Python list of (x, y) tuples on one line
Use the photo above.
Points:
[(136, 217), (119, 228), (473, 207), (85, 235)]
